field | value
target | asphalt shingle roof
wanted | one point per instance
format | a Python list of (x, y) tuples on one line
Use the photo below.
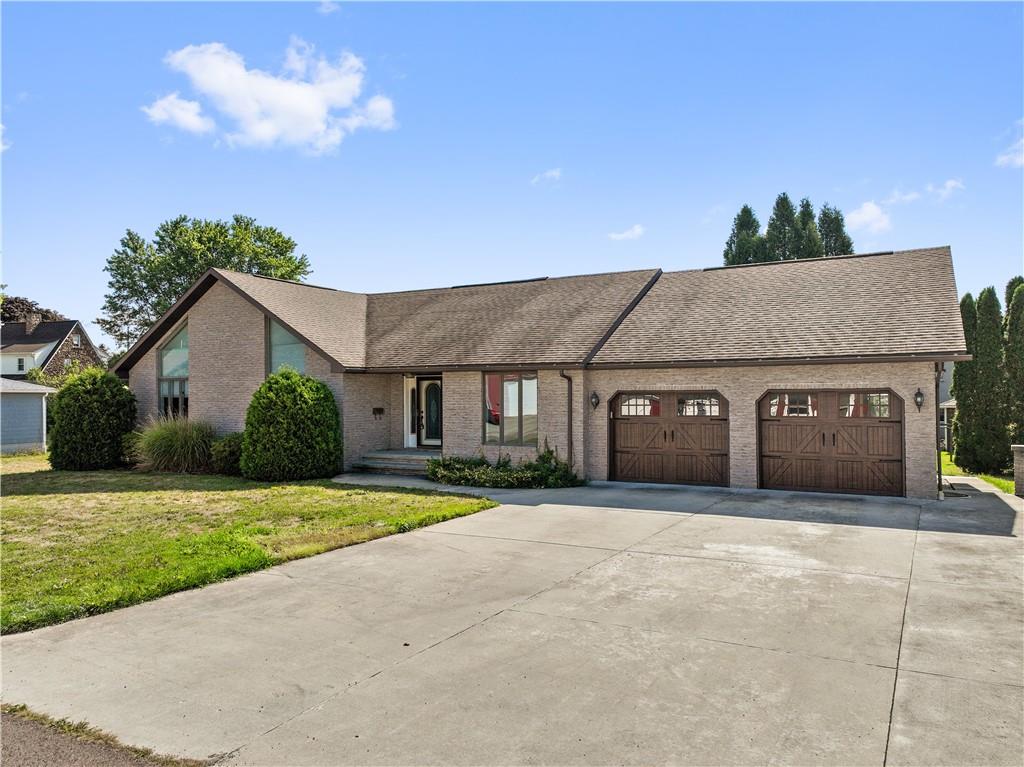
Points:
[(901, 303), (13, 333)]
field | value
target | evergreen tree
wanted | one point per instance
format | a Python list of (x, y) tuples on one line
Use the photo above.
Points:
[(1013, 362), (809, 245), (782, 238), (992, 445), (745, 244), (832, 230), (1011, 288), (962, 389)]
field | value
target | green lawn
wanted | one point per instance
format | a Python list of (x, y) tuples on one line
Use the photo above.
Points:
[(79, 543), (1003, 481)]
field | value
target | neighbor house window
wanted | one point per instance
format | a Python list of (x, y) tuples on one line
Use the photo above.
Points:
[(634, 405), (792, 404), (173, 375), (510, 409), (864, 405), (286, 351), (76, 340), (21, 364)]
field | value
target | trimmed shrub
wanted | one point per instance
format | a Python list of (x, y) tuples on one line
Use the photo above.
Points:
[(292, 430), (546, 471), (226, 455), (175, 444), (92, 414)]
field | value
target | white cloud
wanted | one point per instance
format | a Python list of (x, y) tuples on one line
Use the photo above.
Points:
[(4, 145), (634, 232), (896, 196), (179, 112), (1013, 157), (313, 104), (869, 217), (326, 7), (946, 189), (552, 176)]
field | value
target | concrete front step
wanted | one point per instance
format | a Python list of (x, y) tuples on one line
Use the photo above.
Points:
[(413, 463)]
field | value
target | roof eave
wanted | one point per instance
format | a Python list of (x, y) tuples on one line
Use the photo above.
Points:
[(953, 356)]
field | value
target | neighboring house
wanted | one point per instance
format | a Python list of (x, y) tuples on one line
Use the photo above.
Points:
[(52, 346), (947, 408), (22, 416), (802, 375)]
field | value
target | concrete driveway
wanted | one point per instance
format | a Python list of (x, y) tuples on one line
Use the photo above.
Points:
[(599, 625)]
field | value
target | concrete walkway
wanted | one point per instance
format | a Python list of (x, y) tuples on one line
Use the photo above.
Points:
[(592, 625)]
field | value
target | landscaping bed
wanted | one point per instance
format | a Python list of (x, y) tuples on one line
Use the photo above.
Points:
[(78, 543)]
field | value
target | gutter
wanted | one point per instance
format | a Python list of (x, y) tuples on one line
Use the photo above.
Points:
[(568, 396)]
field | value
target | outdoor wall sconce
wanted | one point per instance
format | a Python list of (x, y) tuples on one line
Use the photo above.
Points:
[(919, 399), (595, 400)]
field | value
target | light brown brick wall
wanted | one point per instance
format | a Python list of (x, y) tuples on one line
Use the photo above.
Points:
[(396, 394), (1018, 470), (463, 417), (743, 386), (226, 357), (362, 431), (142, 382)]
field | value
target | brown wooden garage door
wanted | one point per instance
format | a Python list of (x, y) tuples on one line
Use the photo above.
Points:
[(848, 441), (677, 437)]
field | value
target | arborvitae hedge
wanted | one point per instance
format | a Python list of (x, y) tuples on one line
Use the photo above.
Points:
[(92, 415), (292, 430), (962, 389), (991, 449), (1014, 364)]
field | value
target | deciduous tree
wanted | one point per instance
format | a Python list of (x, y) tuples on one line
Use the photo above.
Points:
[(146, 278)]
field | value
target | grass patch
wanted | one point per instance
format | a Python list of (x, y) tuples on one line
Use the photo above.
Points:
[(1003, 481), (84, 732), (79, 543)]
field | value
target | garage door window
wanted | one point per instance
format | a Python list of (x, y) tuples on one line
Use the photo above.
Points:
[(693, 405), (640, 405), (793, 404), (864, 405)]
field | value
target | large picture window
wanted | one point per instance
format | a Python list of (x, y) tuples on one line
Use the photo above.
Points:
[(510, 409), (285, 350), (173, 376)]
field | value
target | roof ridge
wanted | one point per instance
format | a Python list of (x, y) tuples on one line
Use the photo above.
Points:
[(821, 259), (513, 282), (281, 279)]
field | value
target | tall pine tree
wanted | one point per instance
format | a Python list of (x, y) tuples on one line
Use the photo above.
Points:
[(745, 244), (1011, 288), (962, 388), (809, 245), (992, 445), (1013, 362), (832, 230), (782, 237)]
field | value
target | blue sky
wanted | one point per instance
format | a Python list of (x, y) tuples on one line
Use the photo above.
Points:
[(408, 146)]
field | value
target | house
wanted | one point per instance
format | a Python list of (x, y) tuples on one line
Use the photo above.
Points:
[(52, 346), (799, 375), (22, 416)]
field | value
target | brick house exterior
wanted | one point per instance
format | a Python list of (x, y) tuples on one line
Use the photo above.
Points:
[(844, 330)]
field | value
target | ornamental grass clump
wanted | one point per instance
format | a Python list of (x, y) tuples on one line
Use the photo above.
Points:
[(292, 430), (175, 444)]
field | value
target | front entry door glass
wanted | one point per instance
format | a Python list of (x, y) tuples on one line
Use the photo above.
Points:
[(431, 413)]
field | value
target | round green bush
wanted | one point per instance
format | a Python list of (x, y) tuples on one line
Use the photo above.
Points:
[(226, 454), (292, 430), (92, 415)]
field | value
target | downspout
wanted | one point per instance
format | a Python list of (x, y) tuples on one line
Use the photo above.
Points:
[(949, 429), (568, 452)]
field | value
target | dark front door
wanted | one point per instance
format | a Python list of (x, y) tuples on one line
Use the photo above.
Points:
[(846, 441), (673, 437), (431, 411)]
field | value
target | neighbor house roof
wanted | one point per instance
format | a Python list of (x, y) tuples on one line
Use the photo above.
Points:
[(12, 386), (900, 305), (21, 348), (894, 305)]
